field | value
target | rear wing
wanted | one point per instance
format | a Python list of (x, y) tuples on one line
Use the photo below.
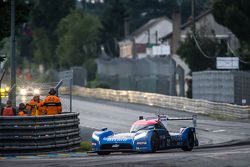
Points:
[(163, 118)]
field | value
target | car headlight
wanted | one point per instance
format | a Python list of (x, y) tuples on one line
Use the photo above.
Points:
[(94, 136), (7, 89), (2, 90), (23, 91), (141, 135), (36, 91)]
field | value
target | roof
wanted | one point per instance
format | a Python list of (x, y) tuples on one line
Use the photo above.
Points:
[(149, 24), (146, 122), (188, 23)]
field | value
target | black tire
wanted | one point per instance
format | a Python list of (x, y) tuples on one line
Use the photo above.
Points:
[(190, 142), (154, 142), (103, 152)]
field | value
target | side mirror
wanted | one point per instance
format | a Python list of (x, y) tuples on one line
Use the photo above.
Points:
[(140, 117)]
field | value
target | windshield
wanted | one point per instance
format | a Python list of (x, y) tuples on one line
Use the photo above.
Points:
[(137, 127)]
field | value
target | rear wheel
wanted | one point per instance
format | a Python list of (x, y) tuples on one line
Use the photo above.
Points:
[(190, 142), (154, 142), (103, 152)]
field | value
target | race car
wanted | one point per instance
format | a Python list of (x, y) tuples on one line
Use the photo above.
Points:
[(146, 135), (29, 91)]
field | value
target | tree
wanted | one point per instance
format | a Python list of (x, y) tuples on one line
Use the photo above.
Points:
[(78, 36), (194, 57), (113, 25), (45, 18), (22, 13), (228, 12), (235, 15)]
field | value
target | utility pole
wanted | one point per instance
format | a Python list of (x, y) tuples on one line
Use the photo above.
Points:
[(193, 17), (13, 53), (148, 37), (126, 27), (134, 53), (156, 37)]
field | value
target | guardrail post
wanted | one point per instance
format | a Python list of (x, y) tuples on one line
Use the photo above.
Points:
[(70, 89), (58, 86)]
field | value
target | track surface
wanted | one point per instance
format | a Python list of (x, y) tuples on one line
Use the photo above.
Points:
[(96, 114), (217, 157), (119, 117)]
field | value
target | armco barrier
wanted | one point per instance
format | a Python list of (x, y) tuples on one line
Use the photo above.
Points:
[(39, 134), (173, 102)]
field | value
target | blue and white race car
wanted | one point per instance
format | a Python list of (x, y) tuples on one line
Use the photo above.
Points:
[(146, 135)]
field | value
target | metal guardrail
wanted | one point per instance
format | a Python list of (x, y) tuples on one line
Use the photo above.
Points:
[(39, 134), (173, 102)]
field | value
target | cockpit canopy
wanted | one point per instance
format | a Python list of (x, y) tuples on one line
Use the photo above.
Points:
[(146, 125)]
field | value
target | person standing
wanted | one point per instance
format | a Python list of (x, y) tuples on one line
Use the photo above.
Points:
[(21, 110), (8, 110), (35, 106), (52, 103)]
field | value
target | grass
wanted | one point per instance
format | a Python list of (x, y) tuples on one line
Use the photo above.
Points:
[(84, 146)]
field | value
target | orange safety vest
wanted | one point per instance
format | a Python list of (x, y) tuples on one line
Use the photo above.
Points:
[(21, 113), (8, 111), (52, 105), (35, 106)]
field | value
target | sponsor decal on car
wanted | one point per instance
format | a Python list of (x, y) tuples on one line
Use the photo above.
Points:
[(115, 146), (115, 140)]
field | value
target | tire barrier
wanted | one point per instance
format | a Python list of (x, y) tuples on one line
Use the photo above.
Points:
[(205, 107), (39, 134)]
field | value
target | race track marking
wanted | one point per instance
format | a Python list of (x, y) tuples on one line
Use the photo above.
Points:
[(47, 156), (220, 130)]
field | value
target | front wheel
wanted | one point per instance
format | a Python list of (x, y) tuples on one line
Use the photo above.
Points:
[(103, 152), (190, 142)]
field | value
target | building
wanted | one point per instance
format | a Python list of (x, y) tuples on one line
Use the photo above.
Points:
[(149, 34), (209, 27)]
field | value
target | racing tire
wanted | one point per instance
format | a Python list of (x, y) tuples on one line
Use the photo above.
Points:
[(103, 152), (154, 142), (190, 142)]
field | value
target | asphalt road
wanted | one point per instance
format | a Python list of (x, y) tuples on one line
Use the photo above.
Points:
[(234, 156), (97, 114)]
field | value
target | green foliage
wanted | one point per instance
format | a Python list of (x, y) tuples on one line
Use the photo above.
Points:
[(45, 18), (113, 25), (77, 34), (47, 14), (43, 52), (190, 53), (85, 146), (5, 50), (91, 67), (236, 16), (22, 15)]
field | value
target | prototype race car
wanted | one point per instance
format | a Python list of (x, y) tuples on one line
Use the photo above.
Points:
[(146, 135)]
